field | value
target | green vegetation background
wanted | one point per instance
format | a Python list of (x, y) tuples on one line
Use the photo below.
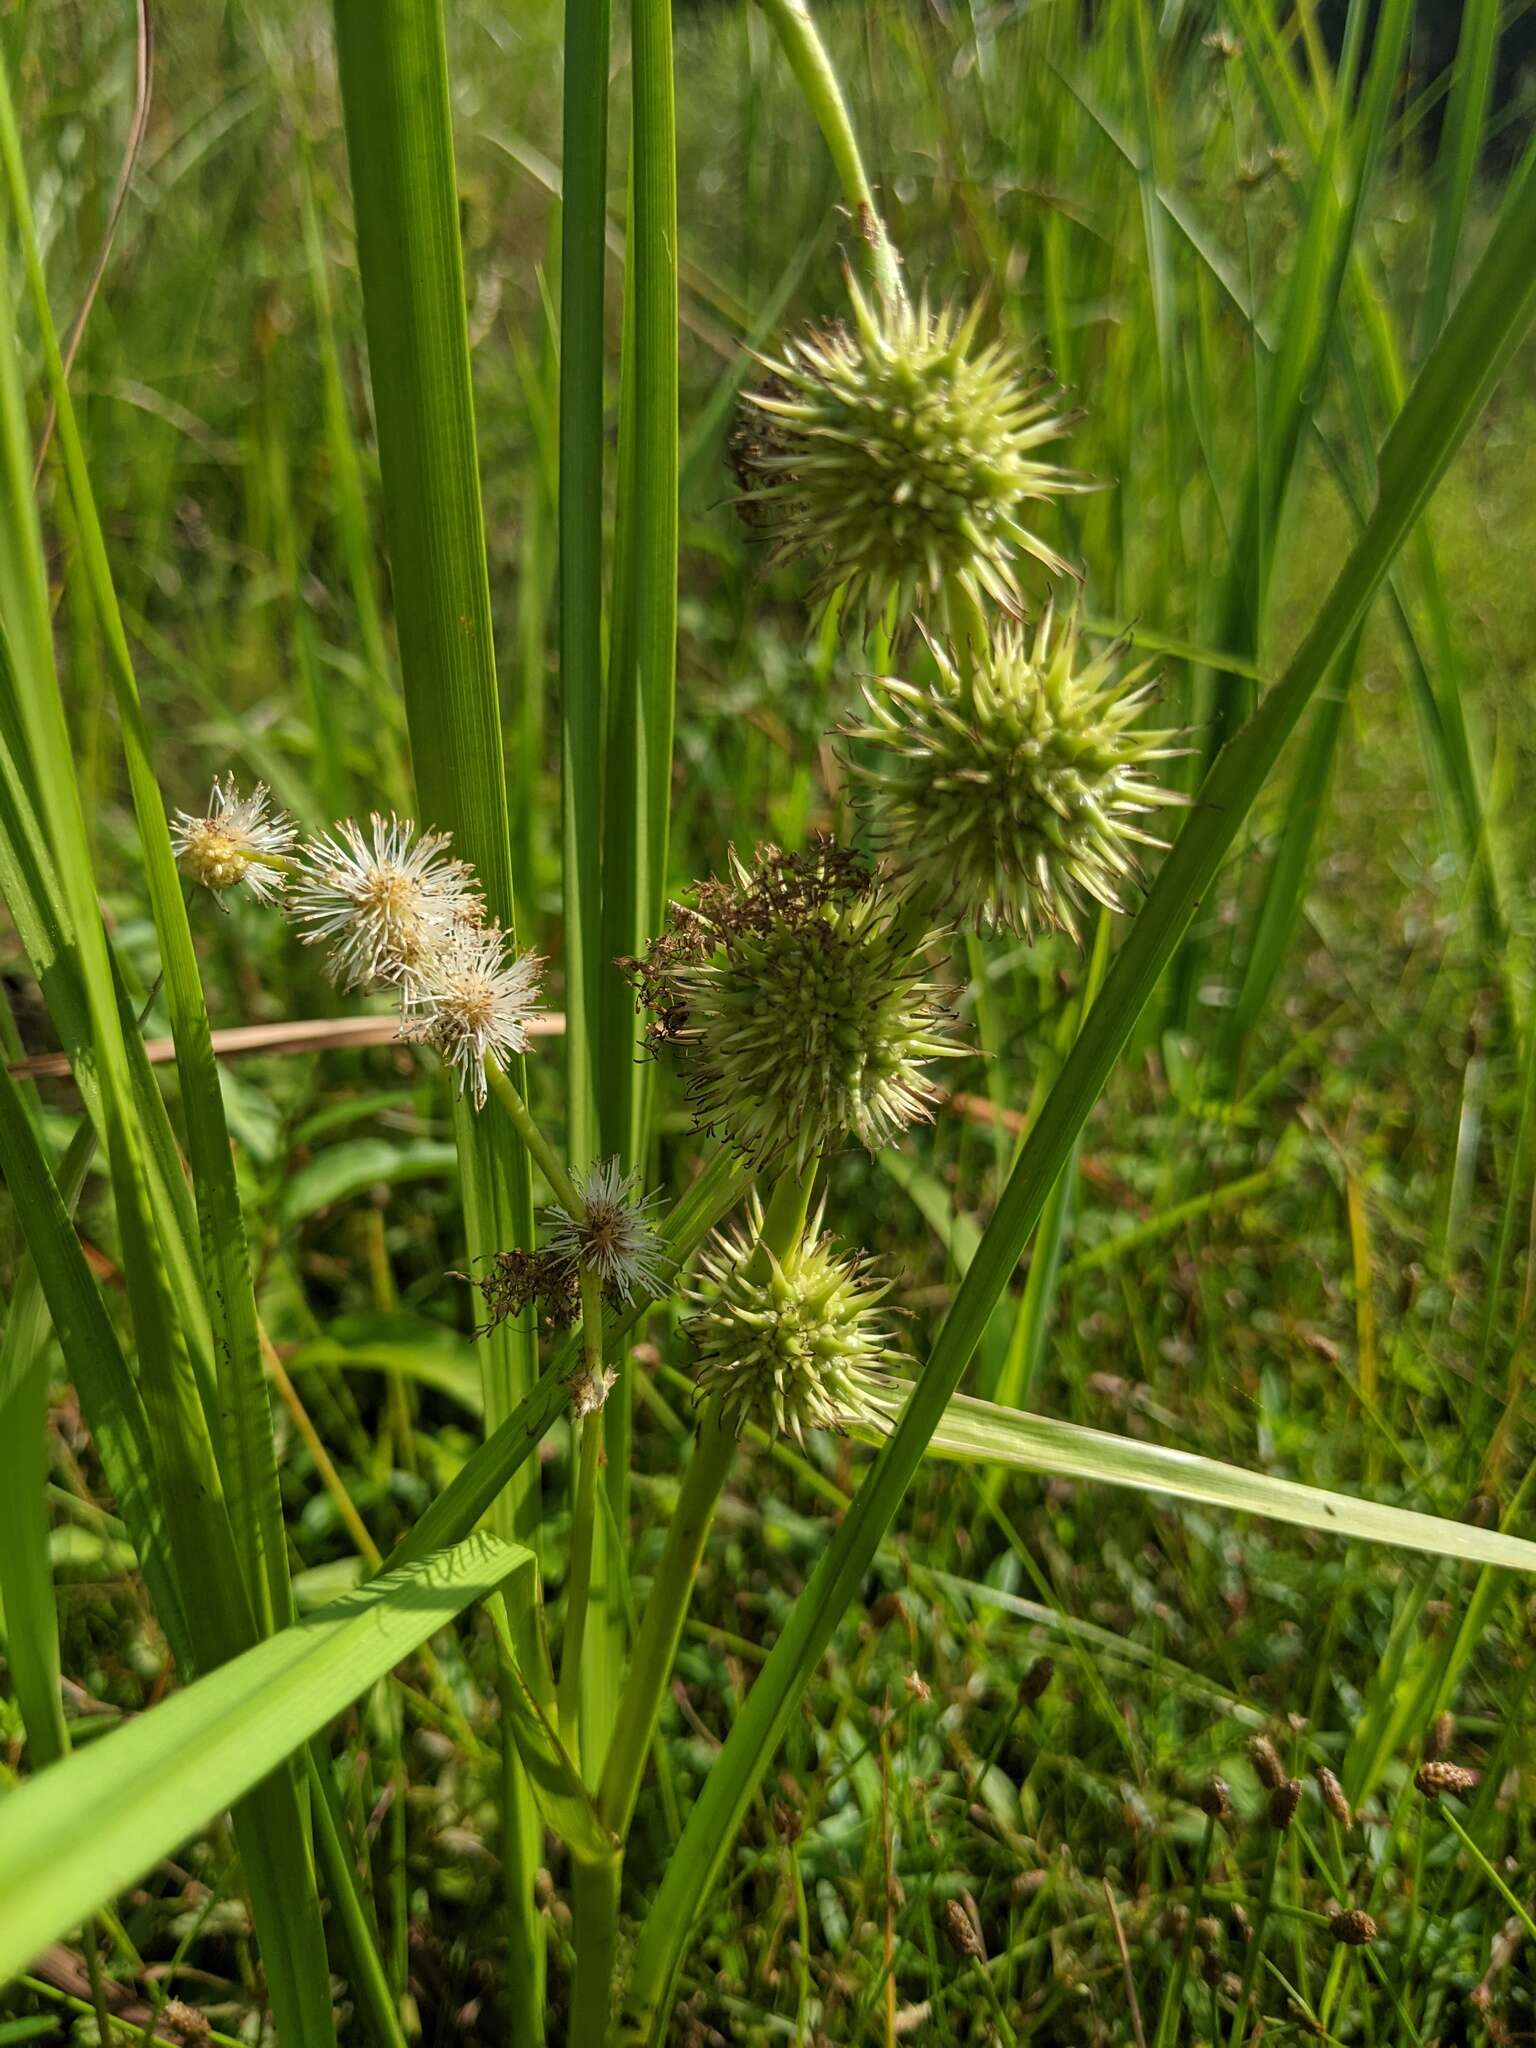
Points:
[(1277, 1243)]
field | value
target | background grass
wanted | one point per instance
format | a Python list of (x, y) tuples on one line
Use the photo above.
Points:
[(1277, 1245)]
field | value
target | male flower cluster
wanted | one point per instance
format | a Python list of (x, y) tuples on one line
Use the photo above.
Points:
[(392, 909)]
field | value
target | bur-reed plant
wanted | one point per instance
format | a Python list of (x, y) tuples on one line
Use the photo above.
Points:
[(805, 1002)]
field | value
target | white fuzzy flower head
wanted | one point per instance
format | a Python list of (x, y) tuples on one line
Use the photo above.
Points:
[(383, 901), (239, 840), (471, 1001), (791, 1344), (615, 1236)]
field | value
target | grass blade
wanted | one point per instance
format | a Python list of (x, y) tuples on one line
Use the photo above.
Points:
[(981, 1432), (80, 1832), (583, 264), (395, 99), (26, 1575)]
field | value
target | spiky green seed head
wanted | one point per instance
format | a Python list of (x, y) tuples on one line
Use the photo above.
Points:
[(800, 1004), (900, 456), (792, 1344), (1014, 793)]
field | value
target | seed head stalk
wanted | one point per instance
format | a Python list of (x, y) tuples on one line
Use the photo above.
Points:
[(538, 1146), (967, 627), (1256, 1945), (1171, 2011), (596, 1891), (589, 1442), (808, 59), (662, 1623)]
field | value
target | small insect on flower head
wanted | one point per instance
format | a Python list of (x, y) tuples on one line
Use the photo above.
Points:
[(901, 456), (381, 901), (800, 1005), (1014, 792), (472, 1001), (791, 1344), (241, 839), (614, 1236)]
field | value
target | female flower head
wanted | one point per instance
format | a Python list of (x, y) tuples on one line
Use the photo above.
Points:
[(384, 901), (901, 456), (800, 1005), (615, 1236), (471, 1001), (240, 840), (791, 1344), (1013, 793)]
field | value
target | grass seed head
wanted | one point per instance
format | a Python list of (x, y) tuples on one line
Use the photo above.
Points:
[(185, 2021), (615, 1235), (803, 1347), (471, 1000), (240, 840), (1283, 1802), (383, 902), (1352, 1929), (1016, 793), (1332, 1793), (901, 457), (960, 1932), (1215, 1800), (1036, 1680), (800, 1007), (1435, 1777), (1265, 1758)]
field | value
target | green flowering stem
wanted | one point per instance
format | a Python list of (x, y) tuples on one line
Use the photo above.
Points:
[(595, 1891), (967, 626), (538, 1146), (1488, 1870), (783, 1220), (817, 80), (588, 1433), (1256, 1944), (595, 1912), (1173, 1999), (662, 1623)]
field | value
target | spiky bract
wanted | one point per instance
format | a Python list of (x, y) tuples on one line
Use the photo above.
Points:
[(801, 1004), (240, 840), (383, 901), (471, 1000), (1012, 793), (615, 1236), (791, 1344), (900, 456)]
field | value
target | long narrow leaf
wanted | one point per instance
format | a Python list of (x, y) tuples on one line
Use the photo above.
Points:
[(393, 64), (981, 1432), (80, 1832)]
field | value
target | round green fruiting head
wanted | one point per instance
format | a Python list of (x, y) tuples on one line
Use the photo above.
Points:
[(799, 1002), (791, 1344), (902, 458), (1016, 790)]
